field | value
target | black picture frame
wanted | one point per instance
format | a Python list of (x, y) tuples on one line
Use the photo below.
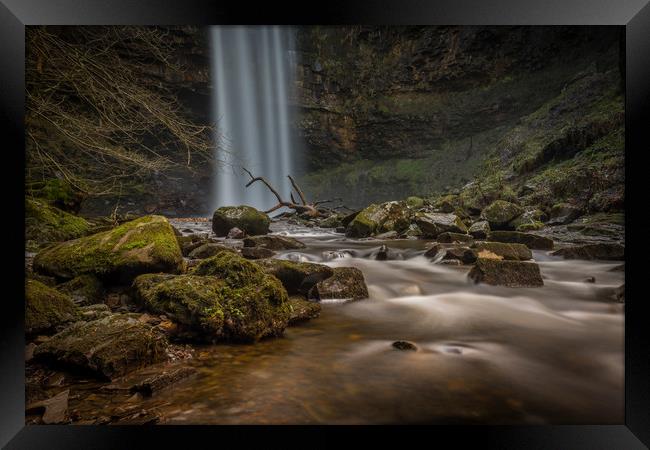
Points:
[(633, 15)]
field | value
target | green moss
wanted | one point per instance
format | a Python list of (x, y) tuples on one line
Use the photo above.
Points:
[(246, 218), (120, 252), (84, 289), (46, 224), (46, 308)]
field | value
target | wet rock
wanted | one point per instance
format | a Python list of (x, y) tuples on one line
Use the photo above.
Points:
[(432, 224), (506, 273), (387, 235), (329, 255), (256, 252), (47, 309), (532, 241), (302, 310), (564, 213), (463, 254), (480, 229), (107, 347), (405, 345), (345, 283), (345, 221), (433, 251), (619, 294), (228, 298), (451, 238), (189, 243), (84, 290), (236, 233), (144, 245), (590, 280), (296, 277), (54, 409), (332, 221), (246, 218), (515, 252), (602, 251), (340, 229), (529, 220), (273, 242), (380, 218), (94, 312), (209, 249), (451, 262), (413, 232), (500, 212), (148, 381)]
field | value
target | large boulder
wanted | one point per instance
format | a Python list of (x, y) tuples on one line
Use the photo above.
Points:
[(246, 218), (225, 298), (302, 310), (530, 240), (108, 347), (273, 242), (346, 283), (563, 213), (604, 251), (144, 245), (46, 224), (296, 277), (380, 218), (432, 224), (479, 229), (506, 273), (47, 309), (515, 252), (500, 212)]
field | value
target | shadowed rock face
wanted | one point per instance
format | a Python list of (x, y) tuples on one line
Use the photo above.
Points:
[(506, 273)]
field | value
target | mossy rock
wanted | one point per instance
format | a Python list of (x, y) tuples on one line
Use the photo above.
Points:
[(450, 238), (433, 224), (447, 203), (599, 251), (302, 310), (347, 283), (532, 226), (414, 202), (246, 218), (108, 347), (46, 224), (532, 241), (479, 229), (500, 212), (239, 303), (209, 249), (529, 220), (144, 245), (332, 221), (256, 252), (84, 289), (296, 277), (47, 309), (273, 242), (58, 193), (380, 218), (515, 252), (506, 273)]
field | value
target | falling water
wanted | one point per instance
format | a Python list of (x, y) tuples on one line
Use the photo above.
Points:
[(253, 70)]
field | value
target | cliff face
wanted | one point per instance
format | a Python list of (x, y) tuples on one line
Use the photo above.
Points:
[(387, 112)]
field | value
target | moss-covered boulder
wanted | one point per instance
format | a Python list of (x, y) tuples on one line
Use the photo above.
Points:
[(296, 277), (108, 347), (246, 218), (347, 283), (600, 251), (256, 252), (447, 203), (414, 202), (515, 252), (302, 310), (332, 221), (46, 224), (506, 273), (530, 240), (144, 245), (529, 220), (380, 218), (273, 242), (479, 229), (450, 238), (209, 249), (500, 212), (229, 299), (47, 309), (84, 289), (563, 213), (432, 224)]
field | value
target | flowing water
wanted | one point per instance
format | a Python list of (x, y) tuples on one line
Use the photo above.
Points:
[(486, 354), (252, 69)]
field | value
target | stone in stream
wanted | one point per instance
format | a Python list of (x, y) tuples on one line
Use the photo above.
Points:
[(433, 251), (602, 251), (236, 233), (479, 229), (256, 252), (465, 255), (345, 283), (144, 245), (500, 212), (54, 409), (432, 224), (108, 347), (332, 221), (84, 290), (515, 252), (388, 235), (296, 277), (47, 309), (532, 241), (227, 298), (506, 273), (246, 218), (380, 218), (273, 242), (209, 249), (151, 379), (405, 345), (302, 310), (450, 238)]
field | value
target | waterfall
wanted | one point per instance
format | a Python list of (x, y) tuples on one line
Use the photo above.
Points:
[(252, 69)]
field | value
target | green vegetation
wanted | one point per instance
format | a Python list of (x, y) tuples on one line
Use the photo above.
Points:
[(46, 224)]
